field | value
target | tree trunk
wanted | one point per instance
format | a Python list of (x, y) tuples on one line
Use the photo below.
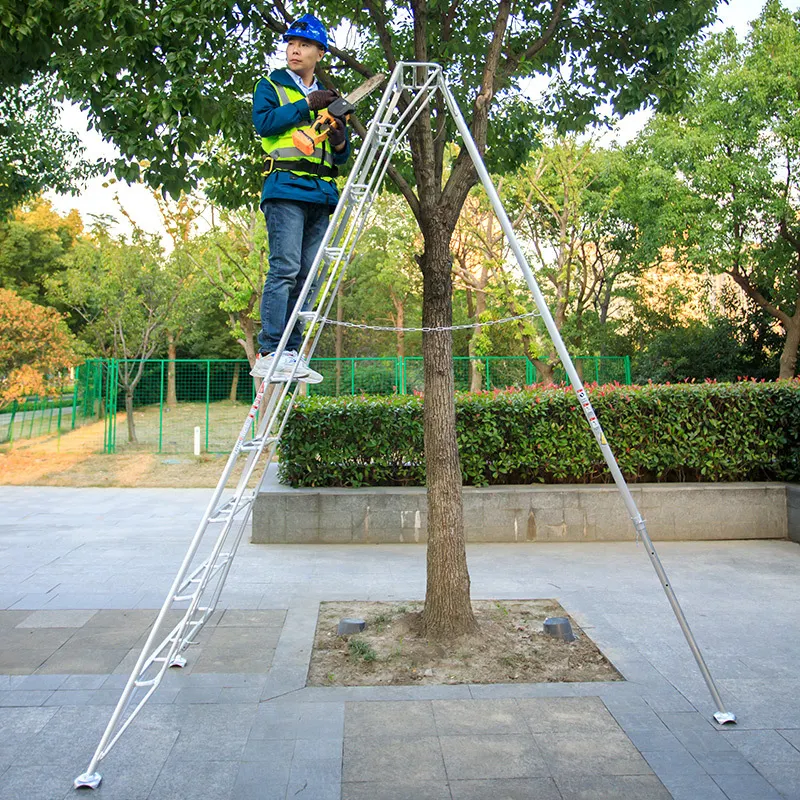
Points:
[(544, 369), (448, 612), (400, 316), (172, 350), (475, 372), (788, 360), (129, 414), (234, 383)]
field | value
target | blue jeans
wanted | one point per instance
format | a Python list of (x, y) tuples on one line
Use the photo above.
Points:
[(295, 230)]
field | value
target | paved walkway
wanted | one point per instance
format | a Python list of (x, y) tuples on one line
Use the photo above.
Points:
[(81, 571)]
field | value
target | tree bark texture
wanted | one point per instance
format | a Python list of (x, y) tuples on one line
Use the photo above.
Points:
[(448, 612), (172, 354), (788, 362), (234, 383), (129, 416)]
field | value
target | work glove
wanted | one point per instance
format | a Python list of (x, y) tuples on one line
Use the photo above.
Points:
[(320, 98), (337, 136)]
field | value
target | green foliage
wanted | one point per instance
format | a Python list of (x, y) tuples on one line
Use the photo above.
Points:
[(358, 648), (171, 83), (723, 349), (731, 156), (36, 153), (34, 244), (685, 432)]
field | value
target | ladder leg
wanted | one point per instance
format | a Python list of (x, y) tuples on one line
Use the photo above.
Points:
[(722, 716)]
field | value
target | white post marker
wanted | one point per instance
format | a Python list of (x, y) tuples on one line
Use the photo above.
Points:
[(197, 440)]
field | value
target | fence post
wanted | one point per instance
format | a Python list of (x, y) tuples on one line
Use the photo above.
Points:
[(627, 370), (352, 377), (161, 409), (11, 424), (208, 395), (75, 396), (597, 370)]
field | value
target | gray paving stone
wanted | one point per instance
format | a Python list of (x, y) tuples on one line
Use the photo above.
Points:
[(388, 759), (763, 747), (792, 735), (77, 682), (78, 697), (507, 789), (644, 739), (318, 779), (256, 781), (16, 698), (605, 753), (180, 780), (723, 762), (418, 790), (673, 762), (200, 694), (488, 756), (746, 787), (317, 750), (692, 787), (586, 715), (785, 777), (403, 718), (41, 782), (464, 717), (612, 787), (277, 754), (17, 725), (216, 731), (50, 682), (56, 618), (298, 721), (76, 658), (241, 694)]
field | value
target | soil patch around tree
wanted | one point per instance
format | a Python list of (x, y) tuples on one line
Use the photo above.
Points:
[(510, 647)]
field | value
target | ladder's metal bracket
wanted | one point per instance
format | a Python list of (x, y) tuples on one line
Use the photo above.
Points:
[(88, 780)]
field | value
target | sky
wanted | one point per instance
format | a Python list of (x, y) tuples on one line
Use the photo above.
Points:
[(140, 205)]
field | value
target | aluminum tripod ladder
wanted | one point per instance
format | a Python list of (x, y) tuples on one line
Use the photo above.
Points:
[(198, 584)]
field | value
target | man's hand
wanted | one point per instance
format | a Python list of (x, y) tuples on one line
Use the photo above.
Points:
[(336, 136), (320, 98)]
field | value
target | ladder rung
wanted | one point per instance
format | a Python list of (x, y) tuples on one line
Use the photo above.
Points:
[(334, 253), (253, 444)]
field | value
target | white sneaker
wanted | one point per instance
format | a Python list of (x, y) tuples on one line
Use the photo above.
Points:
[(308, 374), (284, 368)]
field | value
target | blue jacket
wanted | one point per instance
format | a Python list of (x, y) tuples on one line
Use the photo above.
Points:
[(271, 118)]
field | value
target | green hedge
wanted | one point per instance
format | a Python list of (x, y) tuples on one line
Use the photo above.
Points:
[(685, 432)]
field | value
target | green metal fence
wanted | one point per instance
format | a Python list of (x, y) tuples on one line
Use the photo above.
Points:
[(171, 399), (76, 410)]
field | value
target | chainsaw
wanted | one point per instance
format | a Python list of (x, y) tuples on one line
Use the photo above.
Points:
[(307, 139)]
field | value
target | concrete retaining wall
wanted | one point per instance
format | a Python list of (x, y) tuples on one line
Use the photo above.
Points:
[(793, 511), (563, 513)]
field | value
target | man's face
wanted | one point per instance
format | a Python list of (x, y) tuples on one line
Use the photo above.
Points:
[(302, 55)]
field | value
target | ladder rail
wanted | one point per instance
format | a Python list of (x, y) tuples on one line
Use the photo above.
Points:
[(722, 716)]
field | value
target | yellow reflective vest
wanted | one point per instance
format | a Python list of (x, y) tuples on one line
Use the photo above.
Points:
[(281, 152)]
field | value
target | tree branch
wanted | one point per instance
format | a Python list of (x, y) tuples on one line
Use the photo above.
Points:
[(463, 176), (377, 11), (752, 292)]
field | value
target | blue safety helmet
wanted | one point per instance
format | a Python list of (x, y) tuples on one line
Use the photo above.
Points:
[(308, 27)]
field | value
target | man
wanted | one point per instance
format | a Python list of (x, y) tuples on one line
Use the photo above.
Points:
[(299, 191)]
